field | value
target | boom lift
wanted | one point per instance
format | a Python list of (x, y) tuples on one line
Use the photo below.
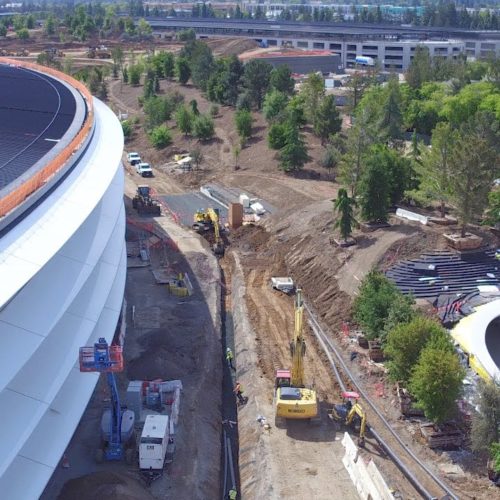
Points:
[(351, 414), (293, 399), (204, 220), (117, 424)]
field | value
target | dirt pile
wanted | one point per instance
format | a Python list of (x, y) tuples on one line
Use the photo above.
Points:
[(109, 485)]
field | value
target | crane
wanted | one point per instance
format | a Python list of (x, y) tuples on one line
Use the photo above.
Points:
[(293, 399), (117, 425), (204, 220), (351, 413)]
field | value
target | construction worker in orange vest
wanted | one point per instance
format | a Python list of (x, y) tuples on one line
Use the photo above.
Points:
[(238, 390)]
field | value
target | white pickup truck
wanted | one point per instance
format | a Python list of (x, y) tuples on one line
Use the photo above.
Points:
[(133, 158), (283, 284), (144, 169)]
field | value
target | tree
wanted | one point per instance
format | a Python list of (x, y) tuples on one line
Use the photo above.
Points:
[(281, 80), (197, 157), (276, 135), (401, 311), (274, 105), (182, 70), (134, 74), (312, 91), (3, 30), (184, 120), (327, 120), (201, 62), (194, 107), (186, 35), (125, 75), (236, 154), (160, 137), (406, 341), (127, 129), (420, 69), (435, 169), (203, 127), (331, 158), (295, 110), (372, 305), (436, 382), (256, 78), (157, 110), (23, 34), (492, 215), (344, 207), (169, 65), (486, 422), (50, 25), (356, 86), (243, 120), (143, 28), (391, 122), (293, 155), (475, 163), (375, 189), (118, 56)]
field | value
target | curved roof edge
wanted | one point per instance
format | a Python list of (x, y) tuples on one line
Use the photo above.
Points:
[(50, 169)]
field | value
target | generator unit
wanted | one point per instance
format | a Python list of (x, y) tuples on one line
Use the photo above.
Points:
[(153, 443)]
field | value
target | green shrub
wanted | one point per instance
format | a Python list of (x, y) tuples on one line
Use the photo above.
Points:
[(372, 305), (160, 136), (406, 341), (436, 382), (127, 129), (203, 127)]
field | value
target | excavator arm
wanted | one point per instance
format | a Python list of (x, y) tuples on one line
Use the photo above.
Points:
[(219, 244), (298, 345), (356, 410)]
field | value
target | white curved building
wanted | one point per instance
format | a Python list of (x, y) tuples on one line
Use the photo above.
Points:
[(62, 263)]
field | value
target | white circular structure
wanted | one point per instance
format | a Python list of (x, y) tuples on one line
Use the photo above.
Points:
[(62, 271)]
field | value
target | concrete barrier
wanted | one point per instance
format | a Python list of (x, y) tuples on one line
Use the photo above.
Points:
[(406, 214), (366, 478)]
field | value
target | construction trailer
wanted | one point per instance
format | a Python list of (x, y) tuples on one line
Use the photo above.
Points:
[(154, 442)]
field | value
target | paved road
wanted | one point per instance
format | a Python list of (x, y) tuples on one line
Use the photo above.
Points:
[(185, 205)]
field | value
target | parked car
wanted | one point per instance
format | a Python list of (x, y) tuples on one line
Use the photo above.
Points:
[(134, 158), (144, 169)]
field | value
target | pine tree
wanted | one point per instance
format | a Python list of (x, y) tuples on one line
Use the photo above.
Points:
[(344, 207)]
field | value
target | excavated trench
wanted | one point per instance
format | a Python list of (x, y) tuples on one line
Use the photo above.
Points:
[(230, 477)]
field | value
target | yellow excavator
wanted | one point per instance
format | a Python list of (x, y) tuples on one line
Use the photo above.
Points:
[(205, 220), (293, 399), (351, 414)]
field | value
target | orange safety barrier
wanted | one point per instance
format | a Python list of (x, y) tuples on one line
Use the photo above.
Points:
[(19, 194)]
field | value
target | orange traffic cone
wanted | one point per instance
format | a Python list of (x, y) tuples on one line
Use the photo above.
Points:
[(65, 462)]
